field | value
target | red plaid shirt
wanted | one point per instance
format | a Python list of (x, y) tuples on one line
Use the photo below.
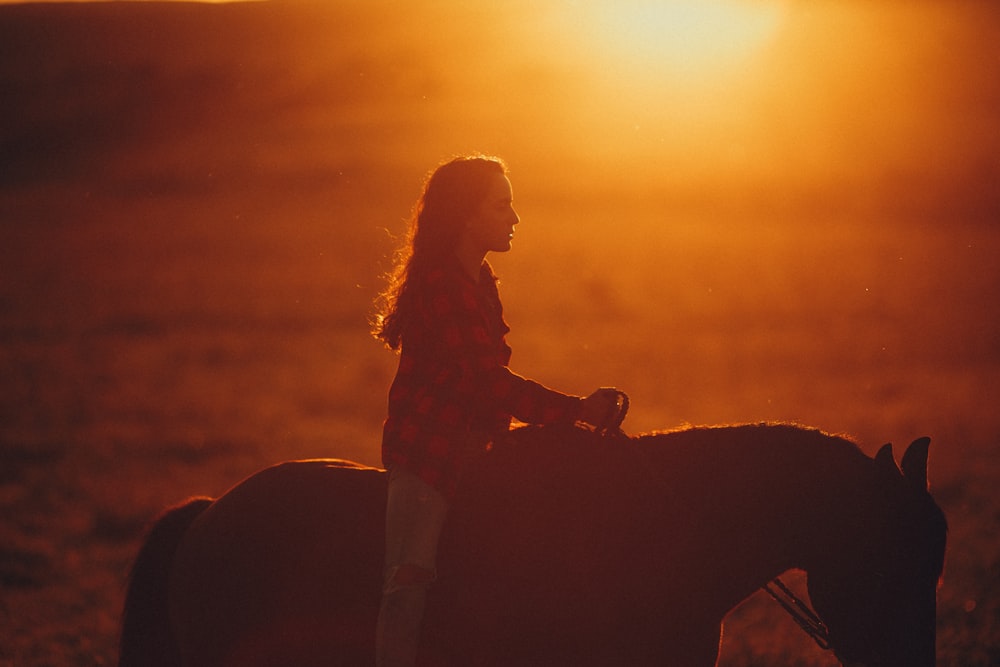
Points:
[(453, 392)]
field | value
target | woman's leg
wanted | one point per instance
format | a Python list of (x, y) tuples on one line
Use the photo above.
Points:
[(415, 513)]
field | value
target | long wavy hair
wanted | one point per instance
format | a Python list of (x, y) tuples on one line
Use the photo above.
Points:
[(452, 193)]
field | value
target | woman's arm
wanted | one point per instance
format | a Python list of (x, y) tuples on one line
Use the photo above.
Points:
[(455, 312)]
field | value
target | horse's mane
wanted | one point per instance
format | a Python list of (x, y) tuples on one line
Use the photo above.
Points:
[(796, 457), (785, 435)]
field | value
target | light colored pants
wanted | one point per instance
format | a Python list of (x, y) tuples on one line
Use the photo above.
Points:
[(415, 513)]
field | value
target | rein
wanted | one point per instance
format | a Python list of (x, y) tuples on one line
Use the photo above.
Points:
[(800, 612)]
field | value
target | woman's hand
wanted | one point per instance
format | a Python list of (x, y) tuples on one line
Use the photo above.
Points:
[(603, 408)]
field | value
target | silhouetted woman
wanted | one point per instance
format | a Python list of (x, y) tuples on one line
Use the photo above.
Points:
[(453, 393)]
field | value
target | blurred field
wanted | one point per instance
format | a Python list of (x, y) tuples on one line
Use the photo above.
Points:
[(185, 301), (159, 348)]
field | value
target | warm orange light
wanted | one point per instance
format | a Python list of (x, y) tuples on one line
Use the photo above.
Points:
[(687, 38)]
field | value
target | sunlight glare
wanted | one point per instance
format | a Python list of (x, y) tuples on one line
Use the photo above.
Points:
[(686, 37)]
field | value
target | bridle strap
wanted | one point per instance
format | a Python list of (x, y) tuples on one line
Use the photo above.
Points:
[(800, 612)]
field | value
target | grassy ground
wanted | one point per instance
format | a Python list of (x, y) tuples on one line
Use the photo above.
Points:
[(156, 347)]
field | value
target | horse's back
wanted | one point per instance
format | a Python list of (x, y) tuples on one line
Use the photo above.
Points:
[(293, 552), (562, 547)]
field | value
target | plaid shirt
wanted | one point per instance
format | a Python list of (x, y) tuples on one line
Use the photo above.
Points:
[(453, 392)]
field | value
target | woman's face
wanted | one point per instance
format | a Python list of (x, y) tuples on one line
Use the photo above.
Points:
[(491, 228)]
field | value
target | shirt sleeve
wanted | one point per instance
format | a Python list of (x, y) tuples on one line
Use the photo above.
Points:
[(481, 360)]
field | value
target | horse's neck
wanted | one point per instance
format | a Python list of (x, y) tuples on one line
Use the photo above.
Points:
[(824, 487), (784, 495)]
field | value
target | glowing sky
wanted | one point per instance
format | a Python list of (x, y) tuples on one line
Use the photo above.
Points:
[(894, 101)]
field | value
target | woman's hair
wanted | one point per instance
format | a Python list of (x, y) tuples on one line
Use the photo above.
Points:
[(452, 193)]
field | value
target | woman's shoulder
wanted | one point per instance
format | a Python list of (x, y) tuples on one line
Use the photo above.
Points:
[(440, 275), (448, 281), (443, 278), (444, 288)]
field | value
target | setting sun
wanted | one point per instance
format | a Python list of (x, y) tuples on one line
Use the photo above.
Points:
[(684, 37)]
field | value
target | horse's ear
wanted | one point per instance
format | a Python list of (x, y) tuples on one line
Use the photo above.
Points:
[(915, 462), (885, 460)]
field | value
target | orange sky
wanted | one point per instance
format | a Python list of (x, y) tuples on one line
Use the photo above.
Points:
[(853, 95), (883, 104)]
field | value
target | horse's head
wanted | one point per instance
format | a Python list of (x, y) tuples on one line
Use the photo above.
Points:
[(878, 598)]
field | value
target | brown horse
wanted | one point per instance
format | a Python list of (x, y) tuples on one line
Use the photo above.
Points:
[(564, 547)]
